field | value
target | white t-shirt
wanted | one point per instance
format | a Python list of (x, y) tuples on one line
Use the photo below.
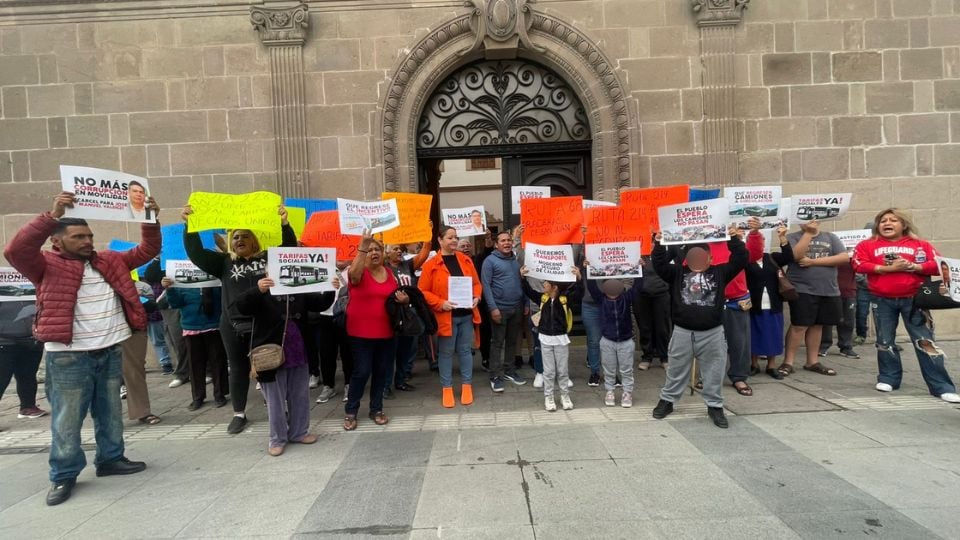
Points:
[(765, 299), (555, 341), (98, 319)]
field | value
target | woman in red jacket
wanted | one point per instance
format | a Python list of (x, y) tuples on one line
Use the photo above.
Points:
[(895, 261), (456, 322)]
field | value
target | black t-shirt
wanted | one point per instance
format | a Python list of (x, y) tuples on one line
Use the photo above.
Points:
[(453, 266)]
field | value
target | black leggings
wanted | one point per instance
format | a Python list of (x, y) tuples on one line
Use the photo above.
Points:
[(333, 340), (21, 361), (238, 349)]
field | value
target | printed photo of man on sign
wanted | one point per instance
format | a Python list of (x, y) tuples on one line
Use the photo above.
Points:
[(107, 195), (469, 221)]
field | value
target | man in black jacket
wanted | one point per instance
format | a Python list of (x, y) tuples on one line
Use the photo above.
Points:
[(697, 292)]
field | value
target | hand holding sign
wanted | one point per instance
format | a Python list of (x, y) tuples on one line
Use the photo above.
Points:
[(60, 204)]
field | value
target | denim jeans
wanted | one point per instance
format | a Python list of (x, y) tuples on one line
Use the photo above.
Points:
[(78, 382), (590, 314), (863, 309), (371, 360), (459, 343), (155, 330), (406, 350), (887, 313)]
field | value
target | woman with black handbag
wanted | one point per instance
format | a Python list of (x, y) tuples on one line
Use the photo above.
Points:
[(896, 261), (764, 279)]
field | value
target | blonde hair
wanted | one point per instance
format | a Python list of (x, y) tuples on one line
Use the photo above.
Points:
[(233, 254), (909, 229)]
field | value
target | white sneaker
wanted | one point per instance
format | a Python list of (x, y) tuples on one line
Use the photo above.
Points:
[(569, 383), (175, 383), (611, 399), (346, 392), (325, 394), (950, 397), (538, 381), (209, 380), (314, 381), (549, 404), (258, 387), (626, 400), (643, 366), (565, 401), (884, 387)]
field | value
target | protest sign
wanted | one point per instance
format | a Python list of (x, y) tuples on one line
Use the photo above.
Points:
[(469, 221), (413, 210), (619, 224), (107, 195), (375, 216), (460, 292), (123, 245), (552, 263), (701, 221), (172, 246), (519, 193), (311, 205), (762, 203), (654, 198), (703, 194), (851, 238), (256, 211), (588, 204), (301, 270), (186, 275), (323, 230), (14, 287), (950, 274), (558, 220), (613, 260), (296, 217), (826, 207)]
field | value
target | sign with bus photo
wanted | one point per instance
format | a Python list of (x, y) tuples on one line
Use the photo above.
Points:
[(761, 202), (186, 275), (301, 270), (826, 207), (14, 287), (375, 216)]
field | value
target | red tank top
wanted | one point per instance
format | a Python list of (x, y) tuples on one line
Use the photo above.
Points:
[(367, 309)]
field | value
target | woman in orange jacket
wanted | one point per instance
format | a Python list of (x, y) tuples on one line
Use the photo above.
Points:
[(457, 324)]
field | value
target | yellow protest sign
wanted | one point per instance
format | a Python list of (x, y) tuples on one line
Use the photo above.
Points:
[(297, 217), (414, 210), (255, 211)]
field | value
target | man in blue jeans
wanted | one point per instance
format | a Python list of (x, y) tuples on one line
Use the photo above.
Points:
[(87, 306), (504, 296)]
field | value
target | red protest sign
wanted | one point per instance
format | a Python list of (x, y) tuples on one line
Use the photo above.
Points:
[(323, 230), (553, 221), (655, 197), (620, 224)]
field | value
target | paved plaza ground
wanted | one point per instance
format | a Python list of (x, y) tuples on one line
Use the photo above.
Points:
[(809, 457)]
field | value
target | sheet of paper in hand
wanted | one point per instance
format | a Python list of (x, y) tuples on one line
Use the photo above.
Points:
[(826, 207), (614, 260), (761, 202), (460, 291), (853, 237), (701, 221), (107, 195), (14, 287), (301, 270), (519, 193), (375, 216), (552, 263), (186, 275)]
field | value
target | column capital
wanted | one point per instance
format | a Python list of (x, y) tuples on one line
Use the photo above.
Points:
[(281, 26), (719, 12)]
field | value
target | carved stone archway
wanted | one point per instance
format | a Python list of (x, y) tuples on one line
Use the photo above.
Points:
[(543, 38)]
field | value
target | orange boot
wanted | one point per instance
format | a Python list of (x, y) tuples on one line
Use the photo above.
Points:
[(448, 400), (466, 394)]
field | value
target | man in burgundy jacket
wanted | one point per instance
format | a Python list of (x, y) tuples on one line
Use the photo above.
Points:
[(87, 306)]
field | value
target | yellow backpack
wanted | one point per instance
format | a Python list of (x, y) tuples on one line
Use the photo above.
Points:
[(544, 298)]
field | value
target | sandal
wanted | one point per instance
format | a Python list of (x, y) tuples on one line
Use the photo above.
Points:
[(785, 369), (821, 369), (379, 418), (775, 373), (743, 389), (699, 384), (350, 423), (150, 420)]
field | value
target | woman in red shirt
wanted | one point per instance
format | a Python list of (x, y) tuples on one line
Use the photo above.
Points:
[(369, 329), (895, 261)]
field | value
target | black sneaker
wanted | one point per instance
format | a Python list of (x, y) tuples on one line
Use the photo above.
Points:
[(237, 425), (485, 364), (167, 370), (849, 353), (822, 354), (594, 380), (388, 393), (120, 467), (60, 491), (716, 414), (194, 405), (220, 402), (662, 409)]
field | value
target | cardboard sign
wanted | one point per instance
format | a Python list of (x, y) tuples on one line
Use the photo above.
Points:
[(323, 230), (620, 224), (558, 220), (703, 194), (613, 260), (186, 275), (122, 245), (519, 193), (301, 270), (701, 221), (762, 203), (105, 194), (14, 287), (375, 216), (588, 204), (172, 247), (655, 197), (311, 205), (414, 212), (828, 207), (851, 238), (468, 221), (257, 211), (552, 263), (950, 274)]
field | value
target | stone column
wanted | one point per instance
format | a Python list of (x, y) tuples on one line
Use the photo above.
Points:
[(284, 31), (722, 133)]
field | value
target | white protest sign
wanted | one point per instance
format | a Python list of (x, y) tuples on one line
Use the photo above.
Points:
[(783, 215), (469, 221), (950, 273), (186, 275), (107, 195), (587, 203), (460, 291), (301, 270), (344, 279), (377, 216), (519, 193), (552, 263), (614, 260), (826, 207), (851, 238), (700, 221), (14, 287), (761, 202)]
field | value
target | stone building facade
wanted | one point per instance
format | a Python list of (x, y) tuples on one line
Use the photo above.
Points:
[(325, 98)]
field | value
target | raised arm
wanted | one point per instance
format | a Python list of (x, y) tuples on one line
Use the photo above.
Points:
[(355, 272), (738, 259), (661, 262), (147, 249), (24, 250), (421, 257)]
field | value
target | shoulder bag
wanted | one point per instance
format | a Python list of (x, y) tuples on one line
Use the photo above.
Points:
[(929, 297), (269, 356)]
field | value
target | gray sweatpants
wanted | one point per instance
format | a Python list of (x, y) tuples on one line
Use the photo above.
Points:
[(617, 358), (556, 360), (709, 347)]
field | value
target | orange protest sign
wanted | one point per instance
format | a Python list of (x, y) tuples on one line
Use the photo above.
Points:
[(414, 212), (655, 197), (553, 221), (323, 230), (620, 224)]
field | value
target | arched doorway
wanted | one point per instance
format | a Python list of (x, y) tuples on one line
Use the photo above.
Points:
[(517, 115)]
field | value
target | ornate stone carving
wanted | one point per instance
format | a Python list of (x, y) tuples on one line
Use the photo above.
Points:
[(719, 12), (281, 26), (500, 25)]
